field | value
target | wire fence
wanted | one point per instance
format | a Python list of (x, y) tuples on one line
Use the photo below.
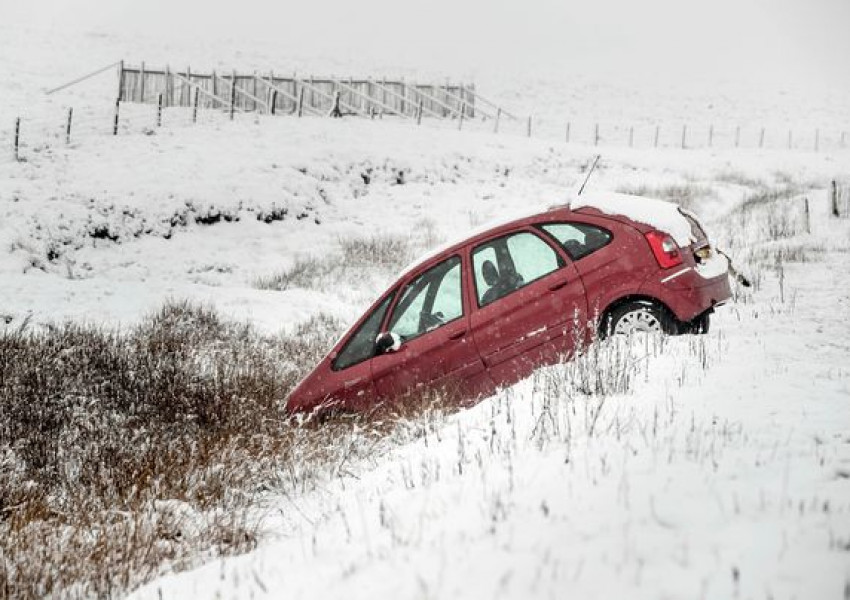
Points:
[(25, 137)]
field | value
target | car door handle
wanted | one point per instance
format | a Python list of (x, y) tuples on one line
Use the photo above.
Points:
[(557, 285), (457, 334), (352, 382)]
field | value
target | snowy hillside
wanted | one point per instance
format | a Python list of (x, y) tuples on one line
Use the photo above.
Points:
[(708, 466)]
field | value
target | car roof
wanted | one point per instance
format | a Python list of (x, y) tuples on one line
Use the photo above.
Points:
[(641, 212)]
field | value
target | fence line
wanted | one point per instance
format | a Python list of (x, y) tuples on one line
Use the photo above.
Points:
[(294, 95)]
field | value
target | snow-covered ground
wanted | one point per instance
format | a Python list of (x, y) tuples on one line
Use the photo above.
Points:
[(712, 467), (719, 468)]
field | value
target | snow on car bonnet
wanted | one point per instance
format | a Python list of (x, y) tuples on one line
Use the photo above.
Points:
[(660, 214)]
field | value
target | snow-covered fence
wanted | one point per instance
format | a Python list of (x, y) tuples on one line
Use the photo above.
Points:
[(271, 93)]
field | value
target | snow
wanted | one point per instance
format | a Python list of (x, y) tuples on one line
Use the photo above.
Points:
[(660, 214), (713, 266)]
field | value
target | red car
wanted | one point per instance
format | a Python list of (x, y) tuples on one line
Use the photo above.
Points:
[(485, 312)]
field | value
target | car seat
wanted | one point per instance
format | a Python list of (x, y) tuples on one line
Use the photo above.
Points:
[(491, 278)]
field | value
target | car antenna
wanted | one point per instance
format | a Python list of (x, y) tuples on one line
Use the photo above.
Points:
[(589, 173)]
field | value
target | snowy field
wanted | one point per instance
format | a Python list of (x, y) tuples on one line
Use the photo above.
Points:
[(715, 466)]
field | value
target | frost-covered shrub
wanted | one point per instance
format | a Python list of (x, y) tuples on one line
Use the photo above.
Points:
[(105, 434)]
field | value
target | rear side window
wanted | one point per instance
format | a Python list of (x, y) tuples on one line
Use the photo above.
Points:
[(578, 239), (509, 263), (361, 345)]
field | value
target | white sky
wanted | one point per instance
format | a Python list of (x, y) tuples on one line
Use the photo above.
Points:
[(770, 38)]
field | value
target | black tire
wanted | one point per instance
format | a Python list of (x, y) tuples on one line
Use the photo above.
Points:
[(638, 315)]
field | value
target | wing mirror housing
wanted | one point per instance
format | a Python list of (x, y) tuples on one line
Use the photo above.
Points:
[(387, 342)]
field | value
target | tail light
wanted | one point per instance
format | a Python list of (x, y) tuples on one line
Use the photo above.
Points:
[(665, 249)]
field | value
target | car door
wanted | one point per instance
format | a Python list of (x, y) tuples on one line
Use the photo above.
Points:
[(528, 308), (431, 320), (346, 379)]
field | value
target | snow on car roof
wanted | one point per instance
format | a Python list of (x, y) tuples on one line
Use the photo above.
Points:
[(660, 214)]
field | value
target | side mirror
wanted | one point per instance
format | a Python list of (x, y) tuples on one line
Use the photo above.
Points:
[(387, 342)]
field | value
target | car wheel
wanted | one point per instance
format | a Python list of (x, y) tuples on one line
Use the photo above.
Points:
[(639, 316)]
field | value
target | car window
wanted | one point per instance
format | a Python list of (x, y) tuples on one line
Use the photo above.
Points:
[(578, 239), (510, 263), (361, 345), (429, 301)]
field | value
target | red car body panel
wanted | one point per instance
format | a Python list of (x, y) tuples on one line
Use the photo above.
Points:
[(503, 341), (446, 356)]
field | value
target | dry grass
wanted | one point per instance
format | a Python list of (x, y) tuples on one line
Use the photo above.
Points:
[(740, 178), (358, 257), (687, 195), (125, 453)]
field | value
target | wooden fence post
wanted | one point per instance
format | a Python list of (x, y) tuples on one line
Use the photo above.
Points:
[(142, 83), (684, 135), (657, 128), (301, 102), (214, 89), (254, 91), (115, 120), (761, 138), (68, 125), (498, 118), (195, 106), (835, 212), (188, 86), (336, 111), (419, 112), (18, 138), (807, 216), (567, 137), (232, 94), (273, 103), (596, 135), (120, 80), (168, 84), (159, 111), (529, 125), (460, 118)]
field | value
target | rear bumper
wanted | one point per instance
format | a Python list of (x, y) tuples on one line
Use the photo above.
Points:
[(687, 292)]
